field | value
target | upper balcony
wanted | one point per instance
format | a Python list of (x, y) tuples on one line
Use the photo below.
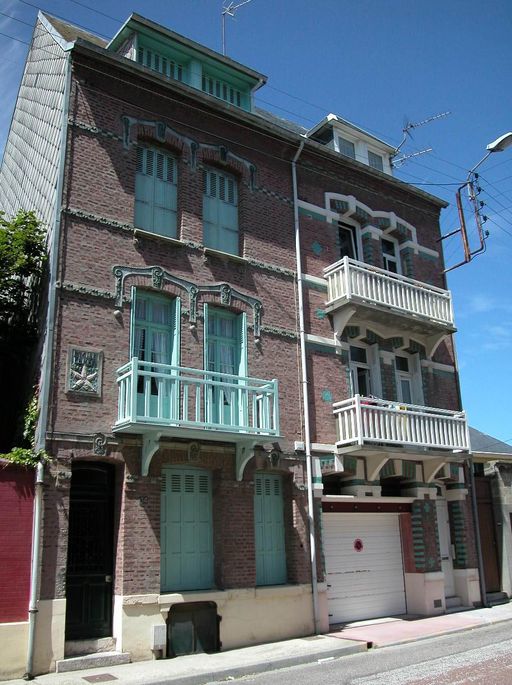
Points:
[(387, 299), (364, 422), (174, 401)]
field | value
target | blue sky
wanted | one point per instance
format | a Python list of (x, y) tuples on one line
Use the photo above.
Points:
[(379, 64)]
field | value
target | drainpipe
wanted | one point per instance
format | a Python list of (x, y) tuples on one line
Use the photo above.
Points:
[(305, 394), (40, 441)]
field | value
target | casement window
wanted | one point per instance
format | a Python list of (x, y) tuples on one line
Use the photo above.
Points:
[(375, 161), (346, 147), (364, 370), (220, 211), (166, 66), (390, 258), (155, 341), (156, 192), (348, 240), (408, 379), (225, 349), (222, 90), (269, 534), (186, 530)]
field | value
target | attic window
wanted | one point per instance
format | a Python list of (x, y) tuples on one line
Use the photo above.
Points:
[(346, 147), (222, 90), (158, 62), (375, 161)]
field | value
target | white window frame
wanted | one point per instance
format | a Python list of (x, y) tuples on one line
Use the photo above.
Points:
[(355, 365), (413, 376), (390, 258), (343, 224), (376, 155)]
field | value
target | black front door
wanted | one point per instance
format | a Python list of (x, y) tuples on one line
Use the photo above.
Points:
[(90, 552)]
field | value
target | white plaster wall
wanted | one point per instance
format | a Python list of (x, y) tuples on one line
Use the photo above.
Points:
[(50, 635), (421, 590), (467, 585), (13, 650)]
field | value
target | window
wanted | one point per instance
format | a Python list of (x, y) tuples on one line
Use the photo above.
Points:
[(158, 62), (360, 371), (346, 147), (220, 211), (225, 357), (348, 240), (222, 90), (186, 531), (269, 533), (156, 181), (389, 258), (375, 161), (155, 341), (408, 379)]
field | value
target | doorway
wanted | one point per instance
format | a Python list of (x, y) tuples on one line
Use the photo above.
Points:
[(445, 546), (488, 541), (90, 552)]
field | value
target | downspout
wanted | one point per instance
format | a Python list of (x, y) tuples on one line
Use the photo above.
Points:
[(305, 394), (40, 442)]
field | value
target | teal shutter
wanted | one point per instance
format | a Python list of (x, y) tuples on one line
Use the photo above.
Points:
[(186, 532), (269, 530), (220, 211), (156, 198)]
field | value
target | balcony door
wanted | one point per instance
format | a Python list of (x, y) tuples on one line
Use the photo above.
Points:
[(155, 343), (225, 356)]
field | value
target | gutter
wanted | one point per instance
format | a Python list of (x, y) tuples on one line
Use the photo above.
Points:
[(305, 394), (44, 399)]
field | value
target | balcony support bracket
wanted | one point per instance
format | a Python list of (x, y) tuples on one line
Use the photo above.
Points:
[(341, 317), (244, 452), (432, 342), (150, 445), (374, 464), (430, 468)]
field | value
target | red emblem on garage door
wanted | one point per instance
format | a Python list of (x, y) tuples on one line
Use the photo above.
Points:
[(358, 545)]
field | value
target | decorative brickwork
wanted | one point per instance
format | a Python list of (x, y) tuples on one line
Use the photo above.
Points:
[(426, 554), (461, 529)]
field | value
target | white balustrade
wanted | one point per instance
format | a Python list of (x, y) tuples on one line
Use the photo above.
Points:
[(164, 395), (352, 280), (367, 420)]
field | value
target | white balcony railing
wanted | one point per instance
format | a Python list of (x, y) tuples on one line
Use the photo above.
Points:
[(161, 395), (365, 420), (352, 280)]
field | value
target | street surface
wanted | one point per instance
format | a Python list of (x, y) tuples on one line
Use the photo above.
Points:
[(482, 656)]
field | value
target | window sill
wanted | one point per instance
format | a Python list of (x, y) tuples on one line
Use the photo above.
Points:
[(211, 252), (139, 233)]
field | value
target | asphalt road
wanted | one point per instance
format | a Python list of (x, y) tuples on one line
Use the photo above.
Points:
[(481, 656)]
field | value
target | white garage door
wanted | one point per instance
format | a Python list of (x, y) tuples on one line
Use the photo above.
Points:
[(363, 558)]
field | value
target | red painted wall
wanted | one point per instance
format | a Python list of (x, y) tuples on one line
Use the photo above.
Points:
[(16, 507)]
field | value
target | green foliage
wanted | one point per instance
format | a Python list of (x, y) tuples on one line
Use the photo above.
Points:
[(26, 455), (22, 257)]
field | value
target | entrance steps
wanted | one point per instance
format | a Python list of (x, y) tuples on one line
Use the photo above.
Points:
[(453, 602), (100, 660), (494, 598)]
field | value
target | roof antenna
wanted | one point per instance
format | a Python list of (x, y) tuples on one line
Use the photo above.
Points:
[(407, 133), (230, 9)]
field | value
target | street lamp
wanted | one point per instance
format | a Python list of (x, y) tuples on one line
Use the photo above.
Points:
[(498, 145)]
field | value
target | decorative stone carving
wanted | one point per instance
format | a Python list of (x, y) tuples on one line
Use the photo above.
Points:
[(84, 371), (194, 452), (99, 445)]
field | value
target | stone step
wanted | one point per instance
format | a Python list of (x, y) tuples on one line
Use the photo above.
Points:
[(99, 660), (494, 598), (454, 601)]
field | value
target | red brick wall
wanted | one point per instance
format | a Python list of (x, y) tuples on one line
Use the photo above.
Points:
[(16, 514)]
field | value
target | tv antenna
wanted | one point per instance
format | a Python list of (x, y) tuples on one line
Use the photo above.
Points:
[(229, 8), (409, 126)]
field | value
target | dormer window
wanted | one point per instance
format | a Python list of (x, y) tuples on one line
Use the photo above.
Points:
[(346, 147), (160, 63), (375, 161), (222, 90)]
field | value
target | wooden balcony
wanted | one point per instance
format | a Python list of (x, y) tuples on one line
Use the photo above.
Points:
[(383, 298), (369, 422), (159, 400)]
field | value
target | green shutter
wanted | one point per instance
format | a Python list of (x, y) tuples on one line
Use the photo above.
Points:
[(269, 530), (186, 531), (156, 198), (220, 211)]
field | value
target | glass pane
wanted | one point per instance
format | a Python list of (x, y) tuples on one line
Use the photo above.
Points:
[(140, 309), (405, 384), (358, 354), (363, 381), (347, 242), (375, 161), (346, 148), (402, 363), (388, 247), (161, 311)]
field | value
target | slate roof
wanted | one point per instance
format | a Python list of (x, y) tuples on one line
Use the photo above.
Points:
[(481, 442)]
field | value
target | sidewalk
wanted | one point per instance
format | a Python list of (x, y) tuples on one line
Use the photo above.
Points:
[(199, 669)]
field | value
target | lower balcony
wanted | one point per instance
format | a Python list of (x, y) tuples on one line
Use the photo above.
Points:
[(367, 422), (160, 400)]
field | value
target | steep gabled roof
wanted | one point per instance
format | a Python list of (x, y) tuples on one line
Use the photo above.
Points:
[(483, 443)]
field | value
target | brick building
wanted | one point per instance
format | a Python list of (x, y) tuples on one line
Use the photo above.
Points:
[(248, 342)]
